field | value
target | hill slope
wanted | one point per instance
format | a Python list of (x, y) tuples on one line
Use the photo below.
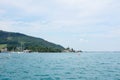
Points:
[(16, 41)]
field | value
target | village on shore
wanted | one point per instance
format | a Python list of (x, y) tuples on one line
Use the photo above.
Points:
[(66, 50)]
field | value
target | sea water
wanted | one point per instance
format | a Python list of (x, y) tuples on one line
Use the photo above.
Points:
[(60, 66)]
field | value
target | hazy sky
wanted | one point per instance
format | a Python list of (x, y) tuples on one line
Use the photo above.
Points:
[(81, 24)]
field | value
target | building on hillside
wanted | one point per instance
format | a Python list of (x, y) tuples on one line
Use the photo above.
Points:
[(4, 50), (26, 51)]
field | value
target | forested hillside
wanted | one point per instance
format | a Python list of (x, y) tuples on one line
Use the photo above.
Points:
[(18, 41)]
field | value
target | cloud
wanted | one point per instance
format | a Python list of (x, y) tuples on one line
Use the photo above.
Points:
[(83, 40), (60, 20), (2, 11)]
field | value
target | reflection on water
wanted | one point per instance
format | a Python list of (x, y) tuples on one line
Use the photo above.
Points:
[(60, 66)]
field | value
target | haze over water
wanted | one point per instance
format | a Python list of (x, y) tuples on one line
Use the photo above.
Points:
[(60, 66)]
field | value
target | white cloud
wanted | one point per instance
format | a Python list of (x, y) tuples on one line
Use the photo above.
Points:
[(77, 19), (2, 11), (27, 7), (83, 40)]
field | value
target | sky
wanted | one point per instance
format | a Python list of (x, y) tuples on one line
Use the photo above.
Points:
[(88, 25)]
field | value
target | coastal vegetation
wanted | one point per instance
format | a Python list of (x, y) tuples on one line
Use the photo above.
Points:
[(3, 46), (19, 42)]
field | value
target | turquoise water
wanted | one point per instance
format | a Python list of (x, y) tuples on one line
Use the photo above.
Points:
[(60, 66)]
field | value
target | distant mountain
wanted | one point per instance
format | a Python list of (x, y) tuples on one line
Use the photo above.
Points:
[(18, 41)]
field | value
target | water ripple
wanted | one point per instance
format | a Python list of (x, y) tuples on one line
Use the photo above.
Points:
[(87, 66)]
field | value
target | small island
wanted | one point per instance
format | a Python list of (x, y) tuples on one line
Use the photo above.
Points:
[(71, 50)]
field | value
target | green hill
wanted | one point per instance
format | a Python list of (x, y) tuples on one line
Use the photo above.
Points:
[(18, 41)]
